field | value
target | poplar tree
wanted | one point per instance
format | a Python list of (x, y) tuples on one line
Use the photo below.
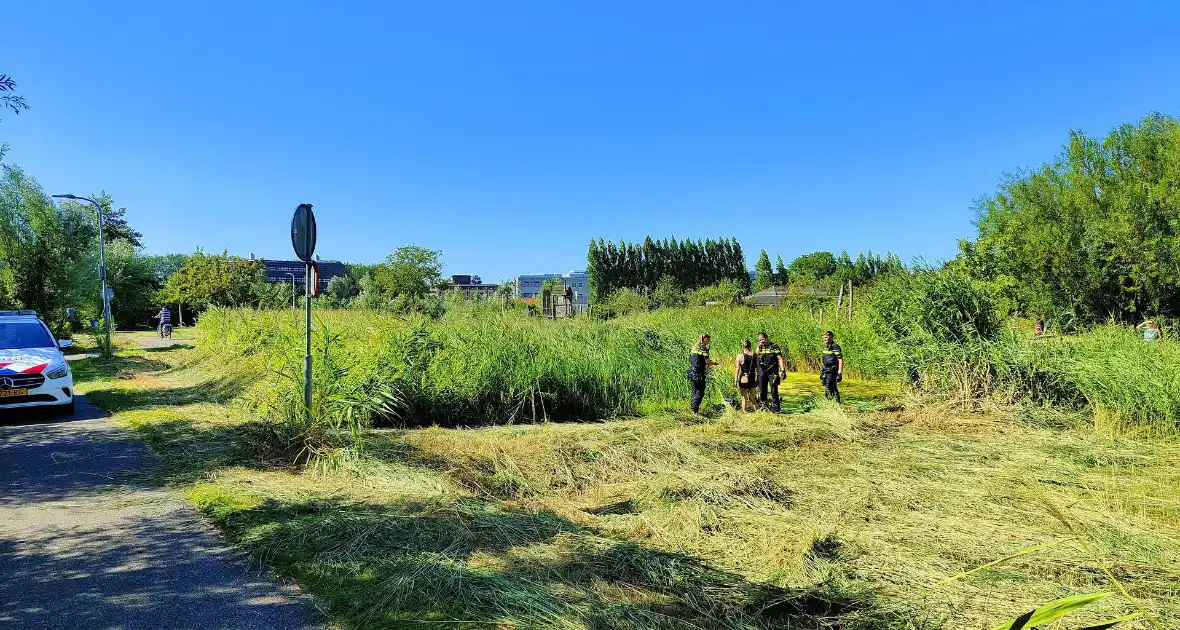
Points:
[(763, 273)]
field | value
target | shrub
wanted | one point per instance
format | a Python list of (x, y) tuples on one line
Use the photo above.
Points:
[(667, 294), (626, 302), (725, 293), (933, 306)]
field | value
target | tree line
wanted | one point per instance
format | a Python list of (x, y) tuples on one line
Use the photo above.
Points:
[(689, 264), (824, 270), (49, 255), (1092, 235)]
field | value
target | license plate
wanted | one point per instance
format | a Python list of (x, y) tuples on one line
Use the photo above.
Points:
[(6, 393)]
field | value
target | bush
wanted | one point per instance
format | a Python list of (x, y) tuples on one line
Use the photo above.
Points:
[(933, 306), (725, 293), (626, 302), (667, 294)]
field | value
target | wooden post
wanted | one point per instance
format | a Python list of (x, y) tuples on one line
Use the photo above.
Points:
[(850, 299), (821, 318), (840, 299)]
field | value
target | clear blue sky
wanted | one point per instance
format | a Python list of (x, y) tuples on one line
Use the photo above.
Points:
[(509, 133)]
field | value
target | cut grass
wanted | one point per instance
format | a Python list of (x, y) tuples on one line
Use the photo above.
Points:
[(820, 518)]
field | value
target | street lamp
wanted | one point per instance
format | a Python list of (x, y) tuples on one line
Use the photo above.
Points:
[(292, 290), (102, 267)]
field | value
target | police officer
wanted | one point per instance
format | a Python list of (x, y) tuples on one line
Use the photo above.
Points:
[(771, 371), (831, 371), (698, 363)]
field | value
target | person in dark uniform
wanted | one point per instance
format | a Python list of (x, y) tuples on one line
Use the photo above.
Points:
[(771, 371), (831, 371), (698, 364)]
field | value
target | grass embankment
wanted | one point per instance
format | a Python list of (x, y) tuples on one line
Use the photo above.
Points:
[(821, 518)]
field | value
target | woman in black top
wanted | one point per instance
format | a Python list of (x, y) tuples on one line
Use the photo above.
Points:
[(746, 376)]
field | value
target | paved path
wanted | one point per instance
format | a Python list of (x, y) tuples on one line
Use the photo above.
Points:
[(85, 543), (141, 343)]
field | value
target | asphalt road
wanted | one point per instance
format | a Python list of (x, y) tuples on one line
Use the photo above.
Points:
[(87, 542)]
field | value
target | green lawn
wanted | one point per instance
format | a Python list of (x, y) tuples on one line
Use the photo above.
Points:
[(822, 517)]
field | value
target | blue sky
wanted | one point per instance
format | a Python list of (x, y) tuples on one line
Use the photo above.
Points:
[(508, 133)]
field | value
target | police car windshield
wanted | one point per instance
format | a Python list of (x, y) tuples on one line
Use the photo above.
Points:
[(17, 335)]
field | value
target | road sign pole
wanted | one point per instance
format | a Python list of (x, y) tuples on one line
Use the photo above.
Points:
[(303, 238), (307, 280)]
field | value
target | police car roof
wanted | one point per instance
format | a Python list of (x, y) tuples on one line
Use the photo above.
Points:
[(19, 316)]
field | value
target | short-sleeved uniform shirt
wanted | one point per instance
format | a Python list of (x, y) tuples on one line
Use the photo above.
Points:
[(698, 359), (768, 357), (832, 355)]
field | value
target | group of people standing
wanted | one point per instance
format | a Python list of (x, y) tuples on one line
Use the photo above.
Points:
[(759, 371)]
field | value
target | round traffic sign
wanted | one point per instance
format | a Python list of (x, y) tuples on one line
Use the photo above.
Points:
[(303, 232)]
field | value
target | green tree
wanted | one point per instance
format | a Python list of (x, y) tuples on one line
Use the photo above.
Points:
[(341, 291), (814, 267), (277, 295), (1092, 235), (214, 280), (133, 281), (551, 285), (370, 294), (115, 226), (612, 266), (781, 277), (40, 245), (409, 271), (725, 293), (626, 302), (667, 294), (763, 272), (166, 264)]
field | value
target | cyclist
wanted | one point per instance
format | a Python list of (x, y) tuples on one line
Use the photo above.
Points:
[(165, 317)]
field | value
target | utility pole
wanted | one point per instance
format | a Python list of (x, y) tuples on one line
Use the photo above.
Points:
[(102, 270)]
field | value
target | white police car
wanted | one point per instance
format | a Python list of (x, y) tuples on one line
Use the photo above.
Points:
[(33, 371)]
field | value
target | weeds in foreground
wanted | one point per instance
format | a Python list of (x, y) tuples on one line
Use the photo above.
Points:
[(1062, 607), (331, 428)]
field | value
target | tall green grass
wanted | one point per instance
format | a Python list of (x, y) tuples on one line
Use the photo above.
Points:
[(482, 364), (485, 364), (1111, 369)]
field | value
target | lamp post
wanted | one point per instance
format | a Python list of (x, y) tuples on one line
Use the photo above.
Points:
[(292, 291), (102, 268)]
